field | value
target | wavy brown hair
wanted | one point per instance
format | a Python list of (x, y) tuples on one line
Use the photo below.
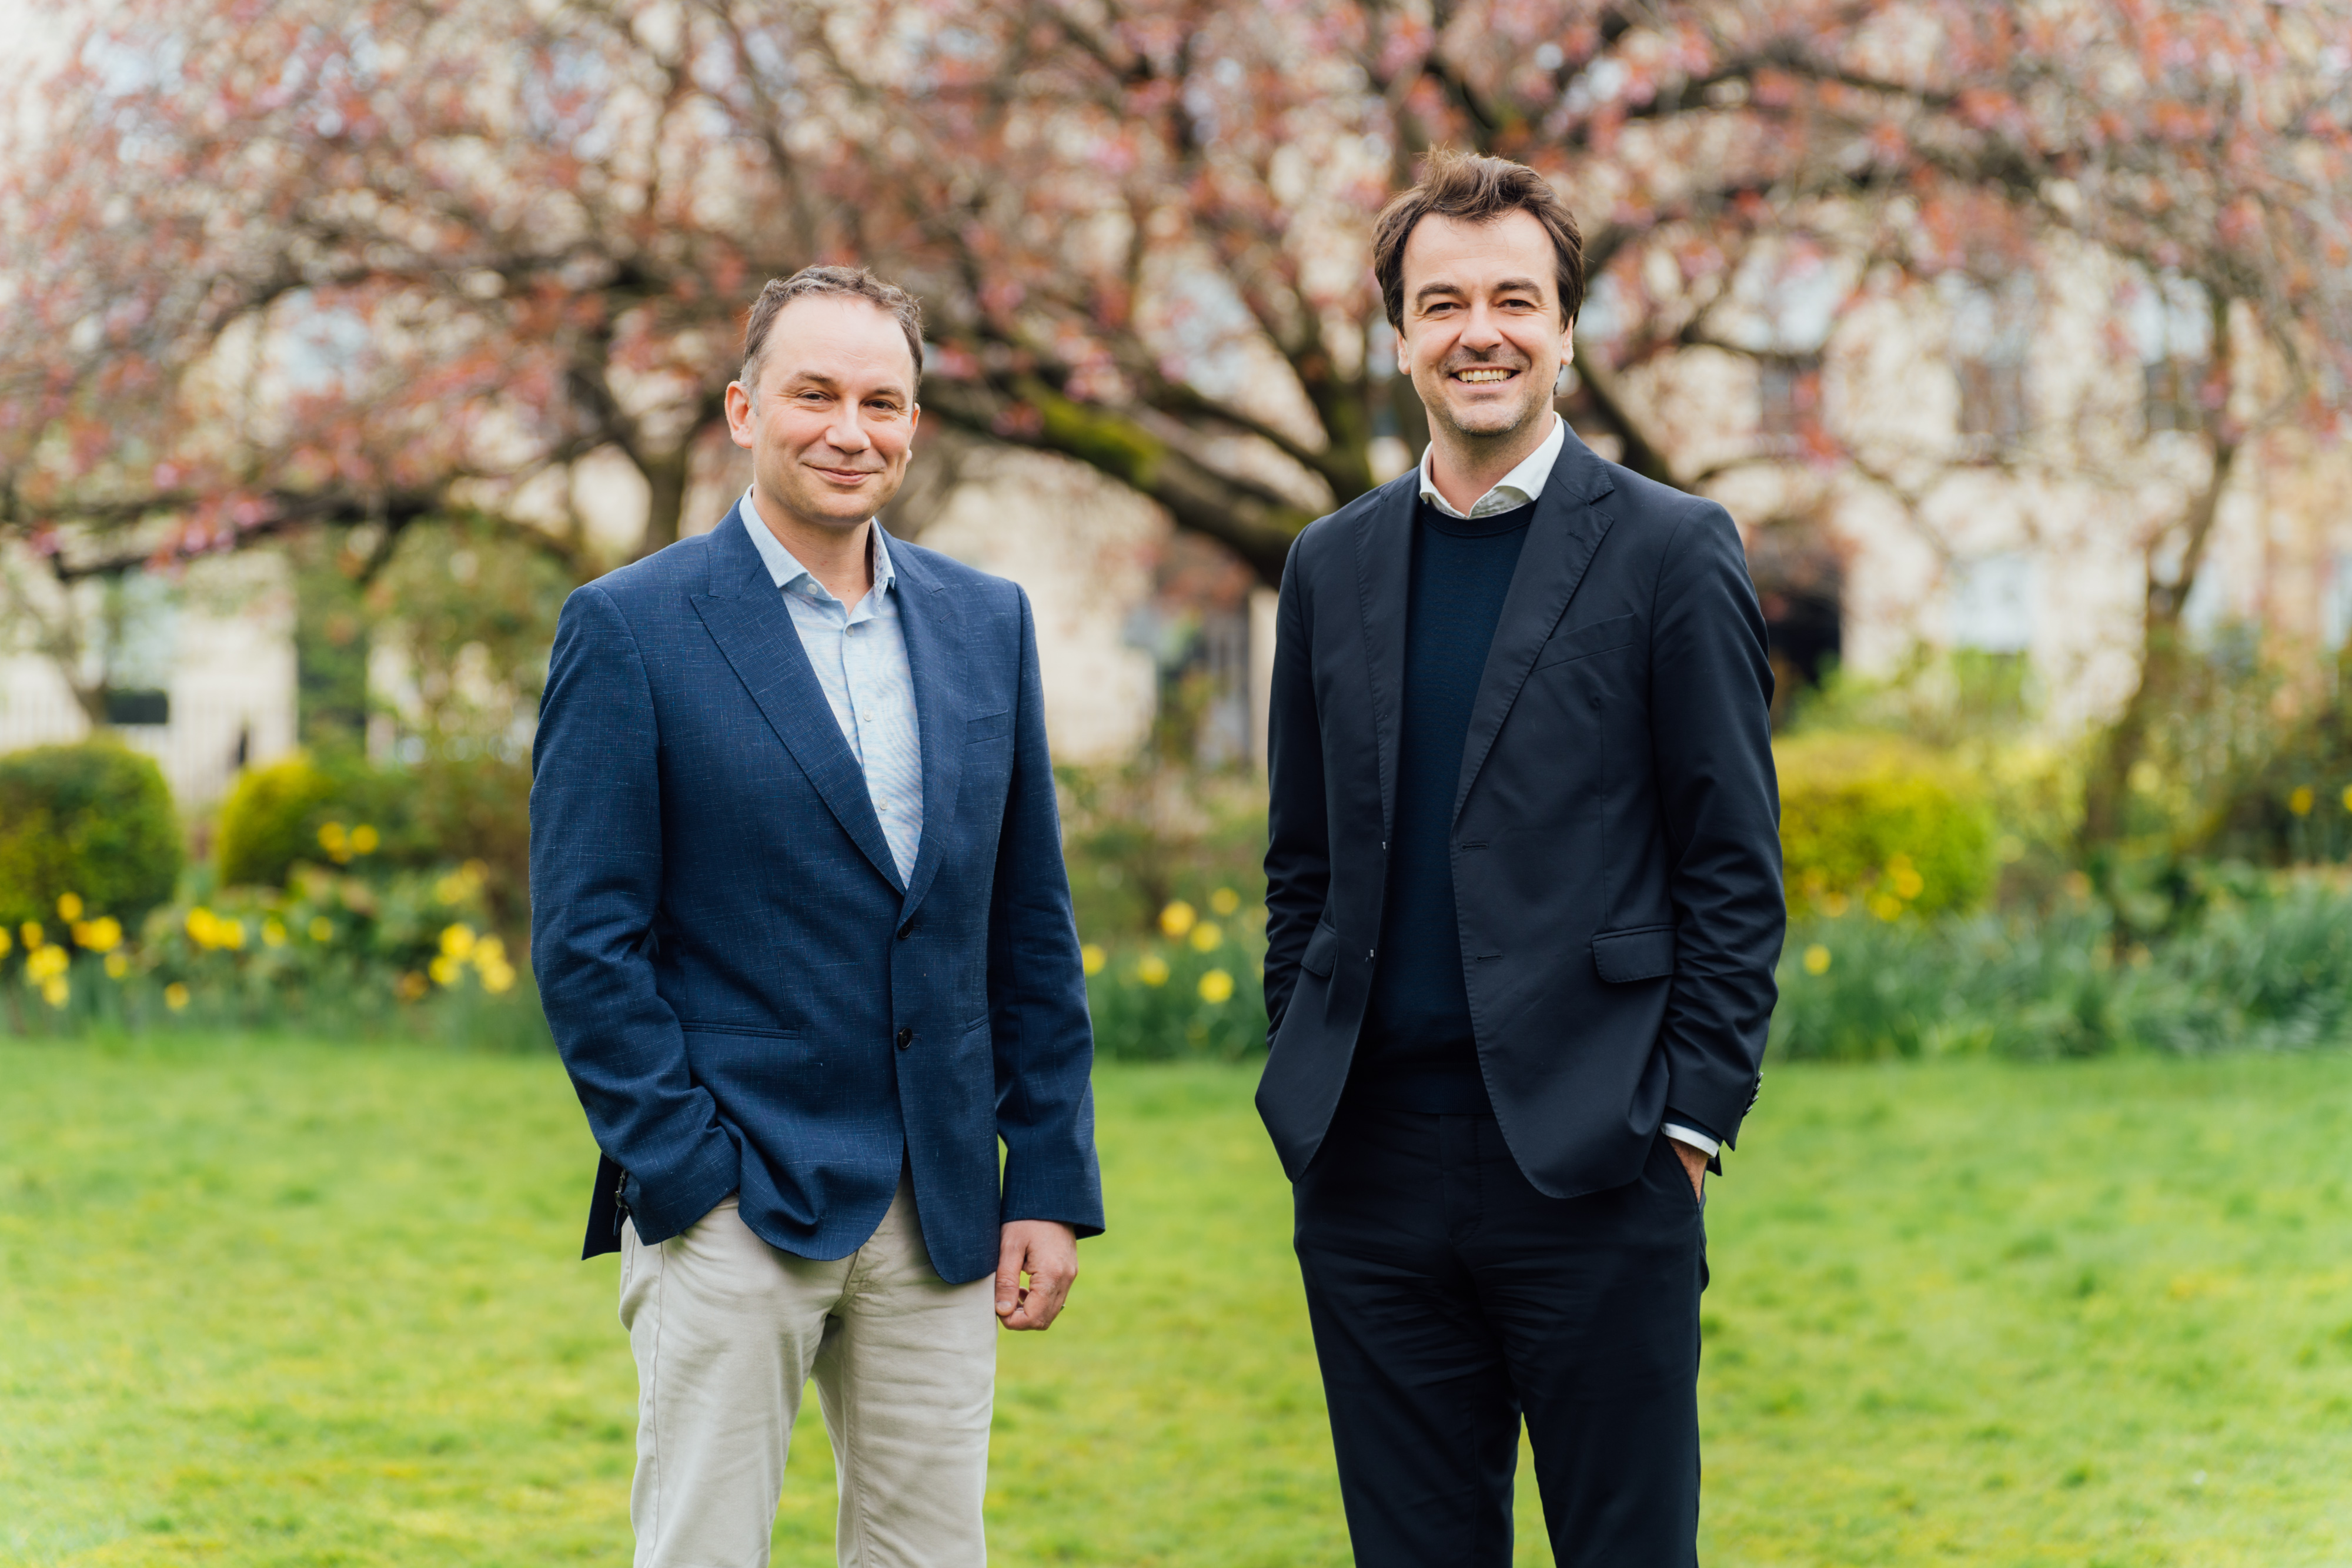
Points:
[(1474, 189)]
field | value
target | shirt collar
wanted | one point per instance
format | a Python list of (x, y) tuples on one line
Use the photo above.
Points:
[(786, 571), (1516, 489)]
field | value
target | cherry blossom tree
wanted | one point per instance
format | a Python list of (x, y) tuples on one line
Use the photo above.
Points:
[(272, 261)]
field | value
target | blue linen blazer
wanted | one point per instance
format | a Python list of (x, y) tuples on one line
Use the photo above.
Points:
[(747, 998)]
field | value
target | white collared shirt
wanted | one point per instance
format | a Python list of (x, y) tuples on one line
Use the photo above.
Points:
[(1516, 488), (859, 656)]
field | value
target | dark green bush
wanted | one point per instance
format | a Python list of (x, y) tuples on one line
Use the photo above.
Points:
[(93, 820)]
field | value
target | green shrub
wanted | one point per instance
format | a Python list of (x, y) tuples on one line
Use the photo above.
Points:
[(1196, 992), (2268, 969), (93, 821), (337, 811), (1883, 823), (270, 820)]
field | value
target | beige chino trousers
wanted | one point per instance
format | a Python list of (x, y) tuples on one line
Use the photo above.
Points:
[(727, 1331)]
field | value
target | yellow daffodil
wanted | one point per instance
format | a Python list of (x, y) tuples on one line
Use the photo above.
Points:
[(1817, 959), (55, 991), (322, 930), (1216, 988), (1904, 877), (1224, 901), (1153, 970), (103, 935), (117, 965), (70, 907), (1091, 958), (456, 941), (444, 970), (2300, 799), (32, 933), (175, 997), (46, 963), (7, 941), (1177, 918), (364, 840), (410, 987), (273, 932), (1207, 937)]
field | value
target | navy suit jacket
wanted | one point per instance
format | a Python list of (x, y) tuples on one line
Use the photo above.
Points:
[(1615, 842), (747, 998)]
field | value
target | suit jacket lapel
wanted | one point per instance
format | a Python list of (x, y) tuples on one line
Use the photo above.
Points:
[(747, 618), (1567, 528), (1383, 565), (933, 627)]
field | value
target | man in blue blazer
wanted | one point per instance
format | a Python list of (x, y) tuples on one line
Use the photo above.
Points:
[(803, 935), (1523, 901)]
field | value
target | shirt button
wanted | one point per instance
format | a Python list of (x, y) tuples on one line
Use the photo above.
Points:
[(905, 1038)]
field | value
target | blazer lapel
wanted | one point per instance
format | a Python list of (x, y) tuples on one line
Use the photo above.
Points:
[(1383, 564), (1567, 528), (933, 627), (747, 618)]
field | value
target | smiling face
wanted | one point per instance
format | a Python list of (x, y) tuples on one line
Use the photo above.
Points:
[(832, 421), (1484, 336)]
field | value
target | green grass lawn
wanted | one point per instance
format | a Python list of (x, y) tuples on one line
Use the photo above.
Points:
[(273, 1303)]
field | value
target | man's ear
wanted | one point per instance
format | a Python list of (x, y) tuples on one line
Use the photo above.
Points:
[(738, 414)]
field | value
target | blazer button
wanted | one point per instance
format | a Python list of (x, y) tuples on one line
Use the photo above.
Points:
[(905, 1038), (906, 931)]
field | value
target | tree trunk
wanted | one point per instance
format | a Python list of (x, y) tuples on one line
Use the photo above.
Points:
[(665, 478), (2107, 790)]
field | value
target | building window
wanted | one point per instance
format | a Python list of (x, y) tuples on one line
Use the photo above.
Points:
[(1992, 328), (1992, 603), (1789, 395), (2172, 325)]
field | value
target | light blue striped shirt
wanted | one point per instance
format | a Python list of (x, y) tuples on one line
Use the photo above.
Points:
[(860, 659)]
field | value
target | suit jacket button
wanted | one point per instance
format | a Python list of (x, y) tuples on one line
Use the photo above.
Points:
[(905, 1038), (906, 931)]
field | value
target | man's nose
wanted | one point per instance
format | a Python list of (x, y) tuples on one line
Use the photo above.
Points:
[(848, 430), (1481, 330)]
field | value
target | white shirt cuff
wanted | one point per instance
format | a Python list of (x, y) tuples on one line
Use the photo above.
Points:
[(1697, 1139)]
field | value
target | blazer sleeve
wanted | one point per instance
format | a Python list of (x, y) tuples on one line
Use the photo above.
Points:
[(1299, 828), (1711, 741), (1043, 1038), (595, 889)]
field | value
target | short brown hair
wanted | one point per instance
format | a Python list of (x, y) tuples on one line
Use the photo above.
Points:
[(1477, 190), (853, 282)]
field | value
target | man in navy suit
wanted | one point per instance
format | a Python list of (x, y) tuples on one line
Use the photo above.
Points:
[(1523, 908), (803, 935)]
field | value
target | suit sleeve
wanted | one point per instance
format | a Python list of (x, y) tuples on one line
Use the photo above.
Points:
[(1038, 990), (1711, 740), (1298, 836), (595, 888)]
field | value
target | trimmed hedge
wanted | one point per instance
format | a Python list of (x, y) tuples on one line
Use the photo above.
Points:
[(92, 820), (1883, 824)]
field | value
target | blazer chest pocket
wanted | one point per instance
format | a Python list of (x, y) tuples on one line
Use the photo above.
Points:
[(988, 726), (1583, 641), (1322, 952), (1644, 953)]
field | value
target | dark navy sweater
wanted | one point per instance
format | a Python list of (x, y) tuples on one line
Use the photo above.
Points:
[(1417, 1052)]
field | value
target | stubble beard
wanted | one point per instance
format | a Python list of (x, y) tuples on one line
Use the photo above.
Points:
[(1491, 423)]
